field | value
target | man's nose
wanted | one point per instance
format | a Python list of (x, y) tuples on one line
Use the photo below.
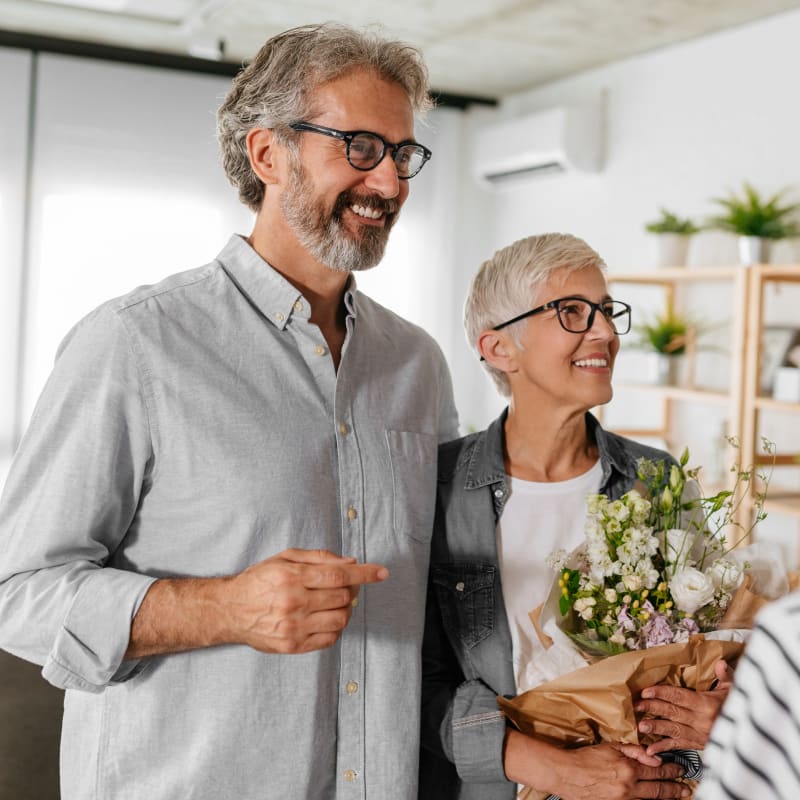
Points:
[(383, 179)]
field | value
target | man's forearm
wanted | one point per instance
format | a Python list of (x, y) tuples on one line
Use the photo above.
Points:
[(179, 614)]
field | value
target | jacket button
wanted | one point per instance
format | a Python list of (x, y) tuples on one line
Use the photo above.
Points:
[(460, 586)]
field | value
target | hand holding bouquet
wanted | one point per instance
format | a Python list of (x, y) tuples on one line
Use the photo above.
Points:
[(652, 591)]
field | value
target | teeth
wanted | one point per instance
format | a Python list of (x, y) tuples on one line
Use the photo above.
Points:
[(592, 362), (369, 213)]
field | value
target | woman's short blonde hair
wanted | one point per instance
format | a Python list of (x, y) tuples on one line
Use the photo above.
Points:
[(506, 285)]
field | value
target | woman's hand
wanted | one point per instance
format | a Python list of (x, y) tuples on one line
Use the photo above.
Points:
[(683, 717), (597, 772)]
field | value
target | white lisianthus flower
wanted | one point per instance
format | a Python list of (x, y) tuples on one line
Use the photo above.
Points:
[(726, 575), (691, 589), (618, 511), (585, 607), (632, 582), (675, 545), (596, 503)]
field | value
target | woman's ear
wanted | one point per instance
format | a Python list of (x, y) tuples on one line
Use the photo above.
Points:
[(498, 349), (262, 151)]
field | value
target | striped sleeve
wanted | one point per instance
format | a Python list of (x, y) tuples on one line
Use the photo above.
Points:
[(754, 747)]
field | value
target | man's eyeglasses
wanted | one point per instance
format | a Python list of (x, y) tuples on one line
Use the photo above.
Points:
[(365, 150), (576, 314)]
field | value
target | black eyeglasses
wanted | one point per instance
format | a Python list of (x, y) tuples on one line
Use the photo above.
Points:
[(576, 314), (365, 150)]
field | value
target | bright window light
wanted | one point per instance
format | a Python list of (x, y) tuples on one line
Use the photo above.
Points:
[(98, 243)]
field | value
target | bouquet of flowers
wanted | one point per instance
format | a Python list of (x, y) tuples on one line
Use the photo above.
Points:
[(657, 593), (658, 565)]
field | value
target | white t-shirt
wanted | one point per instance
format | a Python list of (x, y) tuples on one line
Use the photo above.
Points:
[(538, 518)]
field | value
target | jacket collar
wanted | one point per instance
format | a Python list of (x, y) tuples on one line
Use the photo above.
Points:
[(486, 463)]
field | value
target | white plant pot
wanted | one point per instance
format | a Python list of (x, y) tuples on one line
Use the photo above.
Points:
[(670, 249), (753, 250)]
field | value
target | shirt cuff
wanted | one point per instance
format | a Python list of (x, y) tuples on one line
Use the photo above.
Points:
[(89, 649), (479, 729)]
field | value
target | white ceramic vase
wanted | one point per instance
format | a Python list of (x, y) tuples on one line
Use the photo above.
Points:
[(670, 249), (753, 250)]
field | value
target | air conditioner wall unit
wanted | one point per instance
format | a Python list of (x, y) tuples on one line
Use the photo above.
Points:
[(555, 140)]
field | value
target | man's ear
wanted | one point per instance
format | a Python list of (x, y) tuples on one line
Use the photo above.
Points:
[(262, 149), (498, 350)]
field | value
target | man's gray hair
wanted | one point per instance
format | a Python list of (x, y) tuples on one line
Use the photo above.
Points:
[(506, 285), (276, 88)]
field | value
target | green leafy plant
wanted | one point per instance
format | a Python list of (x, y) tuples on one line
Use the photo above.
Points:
[(672, 223), (750, 214), (666, 333)]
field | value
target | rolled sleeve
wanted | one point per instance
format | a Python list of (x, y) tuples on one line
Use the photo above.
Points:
[(89, 650), (68, 504), (479, 730)]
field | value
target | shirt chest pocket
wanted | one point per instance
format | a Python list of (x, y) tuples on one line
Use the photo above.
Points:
[(413, 460), (465, 592)]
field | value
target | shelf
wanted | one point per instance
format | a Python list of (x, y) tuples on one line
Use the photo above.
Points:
[(783, 503), (668, 275), (677, 392), (775, 405)]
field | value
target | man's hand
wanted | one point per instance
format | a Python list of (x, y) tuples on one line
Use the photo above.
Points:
[(683, 716), (298, 600), (293, 602)]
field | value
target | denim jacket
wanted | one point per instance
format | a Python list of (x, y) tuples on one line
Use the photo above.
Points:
[(467, 659)]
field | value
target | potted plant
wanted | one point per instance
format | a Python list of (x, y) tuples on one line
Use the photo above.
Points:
[(672, 235), (757, 221), (666, 335)]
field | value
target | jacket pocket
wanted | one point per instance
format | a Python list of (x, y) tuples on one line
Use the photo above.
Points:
[(413, 460), (465, 592)]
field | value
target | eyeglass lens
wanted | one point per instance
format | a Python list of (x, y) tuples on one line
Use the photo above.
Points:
[(366, 151), (577, 315)]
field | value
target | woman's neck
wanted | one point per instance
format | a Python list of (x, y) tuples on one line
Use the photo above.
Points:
[(546, 451)]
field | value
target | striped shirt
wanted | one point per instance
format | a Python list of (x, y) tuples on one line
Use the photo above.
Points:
[(754, 748)]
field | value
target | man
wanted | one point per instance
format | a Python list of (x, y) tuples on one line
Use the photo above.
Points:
[(220, 461)]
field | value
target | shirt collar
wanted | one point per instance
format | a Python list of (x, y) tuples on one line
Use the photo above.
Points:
[(276, 298)]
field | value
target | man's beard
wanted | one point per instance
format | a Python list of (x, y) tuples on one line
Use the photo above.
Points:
[(325, 235)]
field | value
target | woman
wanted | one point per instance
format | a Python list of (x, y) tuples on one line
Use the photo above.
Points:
[(541, 318)]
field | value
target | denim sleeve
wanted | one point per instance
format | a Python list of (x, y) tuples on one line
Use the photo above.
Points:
[(69, 501)]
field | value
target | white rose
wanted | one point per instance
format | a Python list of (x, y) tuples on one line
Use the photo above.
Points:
[(691, 589), (725, 574), (610, 595)]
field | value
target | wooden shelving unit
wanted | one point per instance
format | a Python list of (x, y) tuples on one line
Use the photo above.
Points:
[(756, 405), (743, 402)]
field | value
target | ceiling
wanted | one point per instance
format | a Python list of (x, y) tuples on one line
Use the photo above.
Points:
[(483, 48)]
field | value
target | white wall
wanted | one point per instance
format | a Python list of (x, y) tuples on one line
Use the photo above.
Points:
[(684, 124)]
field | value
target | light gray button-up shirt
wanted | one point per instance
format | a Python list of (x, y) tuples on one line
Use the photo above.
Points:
[(190, 429)]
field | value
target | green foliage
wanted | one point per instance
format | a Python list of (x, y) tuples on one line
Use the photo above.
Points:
[(666, 333), (672, 223), (749, 214)]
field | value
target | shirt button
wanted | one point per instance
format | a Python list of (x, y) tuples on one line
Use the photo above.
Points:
[(350, 775), (298, 306), (319, 350), (343, 429), (351, 687), (280, 317), (354, 602), (351, 513), (460, 586)]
